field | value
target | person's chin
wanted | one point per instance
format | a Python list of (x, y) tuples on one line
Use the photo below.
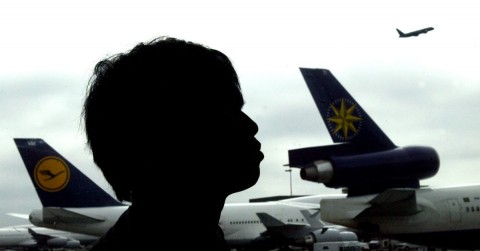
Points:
[(248, 181)]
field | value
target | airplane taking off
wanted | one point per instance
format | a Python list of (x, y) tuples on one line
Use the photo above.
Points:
[(73, 202), (384, 197), (414, 33), (30, 236)]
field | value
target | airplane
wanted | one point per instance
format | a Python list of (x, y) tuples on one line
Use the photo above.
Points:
[(73, 202), (70, 200), (280, 224), (381, 180), (29, 236), (414, 33)]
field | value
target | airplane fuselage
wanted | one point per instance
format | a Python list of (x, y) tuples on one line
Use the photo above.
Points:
[(446, 217), (242, 226), (414, 33)]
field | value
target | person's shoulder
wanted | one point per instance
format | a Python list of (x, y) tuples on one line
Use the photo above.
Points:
[(119, 237)]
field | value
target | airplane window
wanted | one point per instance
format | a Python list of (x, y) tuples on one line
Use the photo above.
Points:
[(466, 199)]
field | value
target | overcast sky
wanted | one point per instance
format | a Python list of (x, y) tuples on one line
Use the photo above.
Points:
[(421, 90)]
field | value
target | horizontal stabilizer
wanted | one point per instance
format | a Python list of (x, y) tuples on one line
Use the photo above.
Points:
[(22, 216), (302, 157)]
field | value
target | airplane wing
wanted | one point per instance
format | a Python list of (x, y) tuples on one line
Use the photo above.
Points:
[(277, 228), (313, 219), (390, 203), (47, 240), (393, 202), (29, 237), (304, 235)]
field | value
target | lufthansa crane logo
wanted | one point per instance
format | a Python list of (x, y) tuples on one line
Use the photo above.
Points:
[(52, 174), (344, 119)]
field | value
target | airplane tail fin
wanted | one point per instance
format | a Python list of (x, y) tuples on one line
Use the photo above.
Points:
[(345, 119), (400, 33), (58, 182), (366, 161)]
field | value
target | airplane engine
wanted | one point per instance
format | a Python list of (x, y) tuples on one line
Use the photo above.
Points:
[(63, 243), (329, 235), (72, 244), (399, 164)]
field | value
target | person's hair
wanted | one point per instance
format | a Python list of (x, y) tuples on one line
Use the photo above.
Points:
[(168, 80)]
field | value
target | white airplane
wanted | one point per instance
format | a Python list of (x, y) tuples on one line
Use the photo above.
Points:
[(70, 200), (73, 202), (384, 193), (30, 236), (279, 224)]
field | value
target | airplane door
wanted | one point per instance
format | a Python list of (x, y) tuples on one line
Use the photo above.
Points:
[(454, 210)]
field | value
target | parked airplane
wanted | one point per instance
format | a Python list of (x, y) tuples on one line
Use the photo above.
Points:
[(414, 33), (73, 202), (382, 180), (70, 200), (280, 224), (364, 160), (30, 236)]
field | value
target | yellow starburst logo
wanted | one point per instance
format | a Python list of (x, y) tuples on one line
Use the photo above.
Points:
[(346, 119)]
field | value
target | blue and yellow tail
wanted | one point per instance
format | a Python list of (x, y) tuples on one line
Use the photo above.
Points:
[(363, 159), (57, 181), (345, 119)]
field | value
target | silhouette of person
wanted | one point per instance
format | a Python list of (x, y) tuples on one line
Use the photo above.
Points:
[(164, 123)]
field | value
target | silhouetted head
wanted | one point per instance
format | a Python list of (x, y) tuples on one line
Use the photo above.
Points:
[(170, 111)]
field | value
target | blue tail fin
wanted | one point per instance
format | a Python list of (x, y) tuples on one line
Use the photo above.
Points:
[(345, 119), (366, 161), (57, 181)]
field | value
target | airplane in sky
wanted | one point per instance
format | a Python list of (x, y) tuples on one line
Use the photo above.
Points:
[(384, 196), (73, 202), (29, 236), (414, 33)]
